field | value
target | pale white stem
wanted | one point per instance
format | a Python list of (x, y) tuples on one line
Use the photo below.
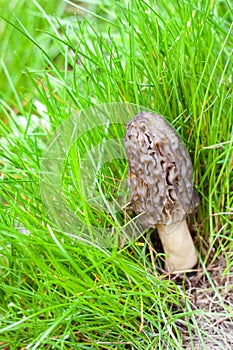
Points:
[(178, 246)]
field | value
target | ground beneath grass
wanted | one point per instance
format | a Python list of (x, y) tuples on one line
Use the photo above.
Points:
[(217, 328)]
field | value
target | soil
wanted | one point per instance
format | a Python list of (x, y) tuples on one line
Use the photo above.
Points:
[(212, 295)]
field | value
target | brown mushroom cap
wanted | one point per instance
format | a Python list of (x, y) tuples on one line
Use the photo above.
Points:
[(160, 171)]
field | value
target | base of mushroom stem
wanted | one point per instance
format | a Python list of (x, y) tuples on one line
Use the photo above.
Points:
[(178, 246)]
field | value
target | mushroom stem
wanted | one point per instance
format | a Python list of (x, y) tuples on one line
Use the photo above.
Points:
[(178, 245)]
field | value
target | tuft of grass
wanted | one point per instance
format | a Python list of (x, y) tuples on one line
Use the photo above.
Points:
[(172, 57)]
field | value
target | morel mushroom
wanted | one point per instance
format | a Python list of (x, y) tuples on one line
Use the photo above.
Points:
[(161, 186)]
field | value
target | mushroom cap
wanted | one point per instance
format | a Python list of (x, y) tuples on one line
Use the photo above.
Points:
[(159, 171)]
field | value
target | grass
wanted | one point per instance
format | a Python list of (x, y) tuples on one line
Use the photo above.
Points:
[(58, 292)]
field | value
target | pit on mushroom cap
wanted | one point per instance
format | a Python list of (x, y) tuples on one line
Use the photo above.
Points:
[(161, 186)]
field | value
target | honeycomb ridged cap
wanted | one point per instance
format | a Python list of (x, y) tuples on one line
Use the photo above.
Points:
[(159, 171)]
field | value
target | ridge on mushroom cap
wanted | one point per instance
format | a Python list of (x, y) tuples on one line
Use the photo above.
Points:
[(160, 171)]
